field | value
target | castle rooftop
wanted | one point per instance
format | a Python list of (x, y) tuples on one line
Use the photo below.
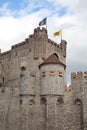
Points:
[(53, 59)]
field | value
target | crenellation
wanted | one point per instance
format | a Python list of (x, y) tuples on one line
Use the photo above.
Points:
[(63, 45), (30, 36), (27, 40), (19, 44), (6, 53), (52, 42), (78, 75), (58, 45), (43, 30), (55, 44)]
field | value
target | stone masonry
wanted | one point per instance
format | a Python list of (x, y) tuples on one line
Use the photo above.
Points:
[(33, 92)]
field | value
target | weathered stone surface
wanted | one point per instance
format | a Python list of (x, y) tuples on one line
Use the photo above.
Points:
[(34, 97)]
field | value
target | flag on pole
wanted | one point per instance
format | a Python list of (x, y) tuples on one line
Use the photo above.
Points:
[(59, 33), (43, 22)]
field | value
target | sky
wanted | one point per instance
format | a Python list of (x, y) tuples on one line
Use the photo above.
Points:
[(19, 18)]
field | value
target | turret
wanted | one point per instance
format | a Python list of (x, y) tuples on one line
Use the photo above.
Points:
[(63, 47), (79, 87), (52, 76), (52, 87), (76, 83), (40, 41)]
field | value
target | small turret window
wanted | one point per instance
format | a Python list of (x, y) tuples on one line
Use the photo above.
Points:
[(60, 74), (43, 74), (52, 73)]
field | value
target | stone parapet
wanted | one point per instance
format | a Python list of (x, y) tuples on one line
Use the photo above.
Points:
[(78, 75)]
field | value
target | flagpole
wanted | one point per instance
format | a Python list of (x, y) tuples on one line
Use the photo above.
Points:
[(46, 23)]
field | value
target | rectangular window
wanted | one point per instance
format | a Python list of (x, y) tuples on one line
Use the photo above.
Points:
[(43, 74), (52, 73), (60, 74)]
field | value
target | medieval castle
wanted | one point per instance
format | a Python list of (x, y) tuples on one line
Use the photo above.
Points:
[(33, 92)]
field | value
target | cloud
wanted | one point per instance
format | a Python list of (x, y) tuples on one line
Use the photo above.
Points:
[(5, 11)]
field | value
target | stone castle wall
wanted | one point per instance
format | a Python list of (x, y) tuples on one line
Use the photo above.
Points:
[(27, 102)]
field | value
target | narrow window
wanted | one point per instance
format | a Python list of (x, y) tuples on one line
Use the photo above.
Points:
[(23, 68), (43, 74), (21, 101), (3, 79), (43, 101)]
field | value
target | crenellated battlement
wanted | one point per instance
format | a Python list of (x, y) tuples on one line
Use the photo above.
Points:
[(26, 41), (5, 53), (53, 43), (63, 42), (40, 35), (61, 46), (78, 75), (18, 45), (43, 30)]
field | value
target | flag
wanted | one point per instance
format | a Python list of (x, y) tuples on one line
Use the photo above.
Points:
[(43, 22), (59, 33)]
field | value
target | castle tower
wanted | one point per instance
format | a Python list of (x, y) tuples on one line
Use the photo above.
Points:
[(40, 41), (79, 96), (52, 76), (52, 88), (76, 81), (84, 99), (33, 97)]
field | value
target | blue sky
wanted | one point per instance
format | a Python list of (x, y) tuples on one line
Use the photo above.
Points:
[(19, 18), (17, 6)]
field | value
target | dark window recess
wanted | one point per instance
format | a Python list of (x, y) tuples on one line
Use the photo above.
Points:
[(23, 68), (0, 84), (78, 101), (21, 101), (43, 101), (31, 102), (3, 79), (60, 101), (56, 55)]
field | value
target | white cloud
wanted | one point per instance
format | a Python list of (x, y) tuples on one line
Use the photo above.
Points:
[(13, 30)]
